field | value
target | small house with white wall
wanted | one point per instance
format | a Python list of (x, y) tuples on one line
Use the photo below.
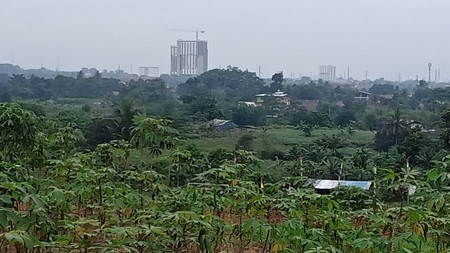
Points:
[(362, 95)]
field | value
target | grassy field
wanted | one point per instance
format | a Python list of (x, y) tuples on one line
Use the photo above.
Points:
[(280, 138)]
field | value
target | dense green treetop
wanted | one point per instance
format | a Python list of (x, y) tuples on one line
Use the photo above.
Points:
[(231, 83)]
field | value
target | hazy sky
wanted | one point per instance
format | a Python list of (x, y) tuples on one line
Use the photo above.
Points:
[(386, 37)]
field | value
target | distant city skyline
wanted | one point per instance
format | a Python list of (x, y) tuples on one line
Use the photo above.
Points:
[(389, 39)]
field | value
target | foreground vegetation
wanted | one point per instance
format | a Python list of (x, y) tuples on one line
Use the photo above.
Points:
[(55, 198), (95, 165)]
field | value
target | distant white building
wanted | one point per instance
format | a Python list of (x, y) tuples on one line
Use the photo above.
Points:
[(327, 72), (280, 96), (149, 71), (246, 103), (362, 95)]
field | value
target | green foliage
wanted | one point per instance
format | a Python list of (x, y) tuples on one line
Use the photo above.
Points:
[(277, 83), (371, 121), (61, 86), (109, 200), (352, 198), (101, 131), (414, 143), (445, 136), (307, 129), (382, 89), (312, 118), (153, 134), (393, 131), (272, 153), (235, 84), (345, 118), (147, 91), (332, 142), (205, 108), (17, 129), (124, 116), (244, 115), (245, 142), (86, 108)]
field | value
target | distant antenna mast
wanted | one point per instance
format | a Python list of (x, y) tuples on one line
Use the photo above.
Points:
[(259, 71), (429, 72)]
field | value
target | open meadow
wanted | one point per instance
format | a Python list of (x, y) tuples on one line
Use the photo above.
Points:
[(278, 138)]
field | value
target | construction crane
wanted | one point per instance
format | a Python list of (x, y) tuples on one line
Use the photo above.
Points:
[(190, 31)]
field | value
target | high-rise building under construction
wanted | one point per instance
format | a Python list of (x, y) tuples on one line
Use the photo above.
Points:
[(189, 57)]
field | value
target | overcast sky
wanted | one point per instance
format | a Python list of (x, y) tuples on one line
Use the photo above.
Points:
[(386, 37)]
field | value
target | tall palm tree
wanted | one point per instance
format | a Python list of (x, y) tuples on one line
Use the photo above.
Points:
[(396, 126), (125, 115)]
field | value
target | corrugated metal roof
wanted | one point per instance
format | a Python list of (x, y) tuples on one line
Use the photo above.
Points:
[(218, 122), (330, 184), (326, 184), (361, 184)]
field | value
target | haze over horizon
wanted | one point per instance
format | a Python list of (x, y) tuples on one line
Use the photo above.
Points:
[(295, 36)]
